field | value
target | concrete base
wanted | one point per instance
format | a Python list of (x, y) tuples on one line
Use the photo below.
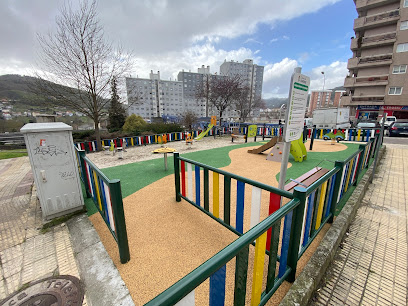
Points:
[(309, 279), (103, 283)]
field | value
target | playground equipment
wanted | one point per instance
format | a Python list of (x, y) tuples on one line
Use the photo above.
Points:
[(235, 134), (164, 151), (162, 139), (212, 124), (266, 146), (189, 139), (338, 136), (306, 179), (203, 133), (298, 149)]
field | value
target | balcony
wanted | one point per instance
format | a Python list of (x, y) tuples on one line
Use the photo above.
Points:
[(370, 61), (375, 80), (363, 100), (374, 41), (367, 4), (373, 21)]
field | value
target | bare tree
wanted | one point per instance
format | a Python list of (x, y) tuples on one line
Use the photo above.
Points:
[(221, 92), (188, 119), (77, 55), (245, 104)]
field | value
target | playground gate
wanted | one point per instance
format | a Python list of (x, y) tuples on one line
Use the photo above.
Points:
[(107, 197), (307, 211)]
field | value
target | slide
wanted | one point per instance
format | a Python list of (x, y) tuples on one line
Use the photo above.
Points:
[(203, 133), (298, 149), (266, 146)]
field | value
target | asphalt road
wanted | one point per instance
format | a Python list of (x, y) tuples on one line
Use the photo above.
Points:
[(396, 140)]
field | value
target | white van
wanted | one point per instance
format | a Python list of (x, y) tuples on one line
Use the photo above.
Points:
[(388, 121)]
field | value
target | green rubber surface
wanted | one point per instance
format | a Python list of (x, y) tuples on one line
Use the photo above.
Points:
[(135, 176), (321, 159)]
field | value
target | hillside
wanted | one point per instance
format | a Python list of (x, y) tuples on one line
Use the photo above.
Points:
[(22, 91)]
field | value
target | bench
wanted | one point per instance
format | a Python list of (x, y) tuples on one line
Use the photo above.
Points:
[(307, 179)]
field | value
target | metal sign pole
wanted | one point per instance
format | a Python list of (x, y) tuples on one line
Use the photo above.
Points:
[(294, 117)]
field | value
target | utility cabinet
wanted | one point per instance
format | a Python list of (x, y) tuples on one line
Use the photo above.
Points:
[(55, 168)]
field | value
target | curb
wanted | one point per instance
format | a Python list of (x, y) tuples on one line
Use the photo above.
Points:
[(309, 279), (103, 283)]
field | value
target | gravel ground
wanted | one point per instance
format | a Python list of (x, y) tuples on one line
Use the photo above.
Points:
[(140, 153)]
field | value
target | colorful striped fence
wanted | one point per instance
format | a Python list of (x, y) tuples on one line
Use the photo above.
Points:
[(304, 217), (107, 197), (196, 188), (362, 135)]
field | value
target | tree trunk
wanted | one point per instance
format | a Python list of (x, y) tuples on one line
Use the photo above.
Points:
[(97, 133)]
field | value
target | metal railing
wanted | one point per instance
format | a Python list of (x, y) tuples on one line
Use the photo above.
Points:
[(107, 197), (308, 210)]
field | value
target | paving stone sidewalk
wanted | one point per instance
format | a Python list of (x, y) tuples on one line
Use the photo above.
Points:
[(26, 254), (370, 267)]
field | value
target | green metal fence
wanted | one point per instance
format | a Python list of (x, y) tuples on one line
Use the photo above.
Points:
[(304, 216), (107, 197)]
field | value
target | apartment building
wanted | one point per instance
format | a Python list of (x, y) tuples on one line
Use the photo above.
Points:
[(319, 99), (377, 80), (191, 81), (154, 97), (250, 73)]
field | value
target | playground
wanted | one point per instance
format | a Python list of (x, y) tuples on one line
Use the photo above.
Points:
[(169, 239)]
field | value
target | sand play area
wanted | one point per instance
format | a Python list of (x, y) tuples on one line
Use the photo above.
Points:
[(169, 239)]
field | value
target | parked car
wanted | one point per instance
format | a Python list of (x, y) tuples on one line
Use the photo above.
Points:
[(367, 124), (399, 128)]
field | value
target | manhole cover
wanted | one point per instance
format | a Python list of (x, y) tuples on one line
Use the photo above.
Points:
[(55, 291)]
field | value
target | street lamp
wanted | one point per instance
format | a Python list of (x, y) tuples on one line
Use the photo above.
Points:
[(324, 79)]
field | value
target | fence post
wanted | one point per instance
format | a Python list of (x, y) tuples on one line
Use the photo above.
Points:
[(120, 223), (360, 161), (82, 154), (336, 190), (177, 175), (312, 138), (263, 131), (296, 231)]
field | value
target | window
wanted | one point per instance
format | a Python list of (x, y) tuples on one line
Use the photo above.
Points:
[(399, 69), (395, 91), (402, 47), (405, 3), (404, 25)]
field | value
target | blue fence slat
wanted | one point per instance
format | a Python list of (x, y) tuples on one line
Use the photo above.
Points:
[(197, 185), (308, 218), (217, 287), (285, 243), (239, 222)]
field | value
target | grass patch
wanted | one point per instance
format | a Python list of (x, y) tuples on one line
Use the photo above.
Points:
[(6, 154)]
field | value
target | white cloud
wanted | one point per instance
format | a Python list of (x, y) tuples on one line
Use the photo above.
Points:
[(170, 63), (253, 40), (277, 78), (334, 75)]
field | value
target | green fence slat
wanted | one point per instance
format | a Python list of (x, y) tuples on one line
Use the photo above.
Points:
[(227, 199), (241, 272), (273, 256)]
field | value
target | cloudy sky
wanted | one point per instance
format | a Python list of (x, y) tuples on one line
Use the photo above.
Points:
[(171, 35)]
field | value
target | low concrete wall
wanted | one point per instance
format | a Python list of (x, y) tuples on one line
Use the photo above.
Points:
[(309, 279)]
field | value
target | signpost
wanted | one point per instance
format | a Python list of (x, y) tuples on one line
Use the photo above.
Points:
[(294, 118)]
